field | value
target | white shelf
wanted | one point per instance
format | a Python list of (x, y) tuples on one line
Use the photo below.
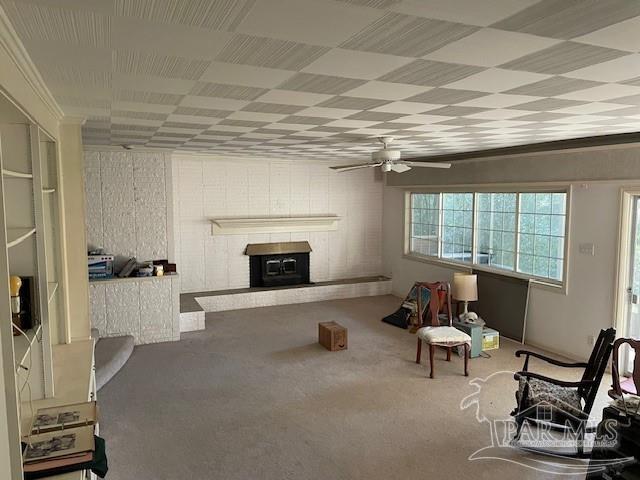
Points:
[(97, 281), (309, 223), (52, 288), (12, 174), (21, 345), (15, 236)]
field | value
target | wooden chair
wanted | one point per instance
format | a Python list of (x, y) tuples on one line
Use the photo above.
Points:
[(563, 405), (435, 334), (631, 385)]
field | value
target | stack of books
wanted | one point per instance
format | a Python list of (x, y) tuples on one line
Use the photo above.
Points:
[(61, 439)]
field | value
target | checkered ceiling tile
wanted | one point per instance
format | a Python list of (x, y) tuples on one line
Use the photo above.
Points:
[(320, 78)]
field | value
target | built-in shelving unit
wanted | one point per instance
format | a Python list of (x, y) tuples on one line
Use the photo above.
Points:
[(42, 367), (31, 225)]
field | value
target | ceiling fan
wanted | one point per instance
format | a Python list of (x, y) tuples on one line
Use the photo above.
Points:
[(388, 160)]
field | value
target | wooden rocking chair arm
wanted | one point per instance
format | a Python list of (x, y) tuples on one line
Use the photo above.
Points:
[(550, 360), (555, 381)]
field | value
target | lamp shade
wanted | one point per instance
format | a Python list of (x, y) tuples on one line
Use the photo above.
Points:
[(465, 287)]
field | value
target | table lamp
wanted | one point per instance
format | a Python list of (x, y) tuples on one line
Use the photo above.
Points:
[(465, 289), (14, 290)]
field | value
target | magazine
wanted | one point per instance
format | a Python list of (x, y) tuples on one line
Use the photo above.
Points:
[(60, 443)]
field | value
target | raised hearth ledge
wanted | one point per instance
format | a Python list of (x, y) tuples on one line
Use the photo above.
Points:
[(223, 300), (309, 223)]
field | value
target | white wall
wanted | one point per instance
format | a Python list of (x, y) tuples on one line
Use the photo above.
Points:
[(557, 321), (209, 186), (128, 204)]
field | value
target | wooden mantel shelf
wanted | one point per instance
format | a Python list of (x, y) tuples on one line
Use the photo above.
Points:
[(309, 223)]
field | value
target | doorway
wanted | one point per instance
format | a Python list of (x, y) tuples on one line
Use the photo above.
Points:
[(628, 291)]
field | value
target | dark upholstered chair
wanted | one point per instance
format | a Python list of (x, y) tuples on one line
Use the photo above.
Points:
[(560, 404)]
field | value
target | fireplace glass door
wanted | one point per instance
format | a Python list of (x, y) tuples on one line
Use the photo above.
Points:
[(289, 265), (273, 267)]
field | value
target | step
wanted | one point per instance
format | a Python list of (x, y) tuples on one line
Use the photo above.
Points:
[(111, 354), (223, 300)]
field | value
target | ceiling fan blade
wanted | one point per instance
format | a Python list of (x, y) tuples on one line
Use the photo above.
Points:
[(346, 168), (400, 167), (427, 164)]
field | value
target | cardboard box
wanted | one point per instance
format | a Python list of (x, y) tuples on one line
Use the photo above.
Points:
[(490, 339), (332, 336)]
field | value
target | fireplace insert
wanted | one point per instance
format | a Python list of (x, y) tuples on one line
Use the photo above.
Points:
[(278, 264)]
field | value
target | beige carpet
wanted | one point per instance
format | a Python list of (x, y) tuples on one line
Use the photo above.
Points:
[(255, 397)]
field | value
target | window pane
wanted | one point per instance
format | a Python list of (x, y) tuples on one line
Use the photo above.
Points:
[(425, 214), (527, 223), (509, 222), (558, 203), (555, 269), (557, 225), (526, 244), (527, 202), (541, 266), (525, 264), (497, 238), (457, 226), (556, 247), (541, 245), (541, 234), (543, 224)]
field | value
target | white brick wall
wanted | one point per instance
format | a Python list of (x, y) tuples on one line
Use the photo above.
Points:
[(128, 213), (127, 203), (146, 308), (208, 186)]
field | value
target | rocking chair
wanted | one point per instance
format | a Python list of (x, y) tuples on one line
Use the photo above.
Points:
[(557, 404)]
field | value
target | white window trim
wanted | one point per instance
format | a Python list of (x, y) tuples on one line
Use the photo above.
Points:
[(545, 283)]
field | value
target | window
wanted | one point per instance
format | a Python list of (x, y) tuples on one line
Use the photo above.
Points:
[(522, 232), (425, 221), (542, 232), (497, 230), (457, 226)]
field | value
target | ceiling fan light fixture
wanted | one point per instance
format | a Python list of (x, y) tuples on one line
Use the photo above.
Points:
[(389, 161), (386, 155)]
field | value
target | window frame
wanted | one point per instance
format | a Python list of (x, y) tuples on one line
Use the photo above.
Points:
[(554, 285)]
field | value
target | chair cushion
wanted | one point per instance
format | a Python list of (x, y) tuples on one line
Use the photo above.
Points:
[(443, 335), (629, 386), (565, 399)]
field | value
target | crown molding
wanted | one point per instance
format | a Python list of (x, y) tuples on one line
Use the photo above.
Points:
[(14, 47), (609, 141), (119, 149)]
